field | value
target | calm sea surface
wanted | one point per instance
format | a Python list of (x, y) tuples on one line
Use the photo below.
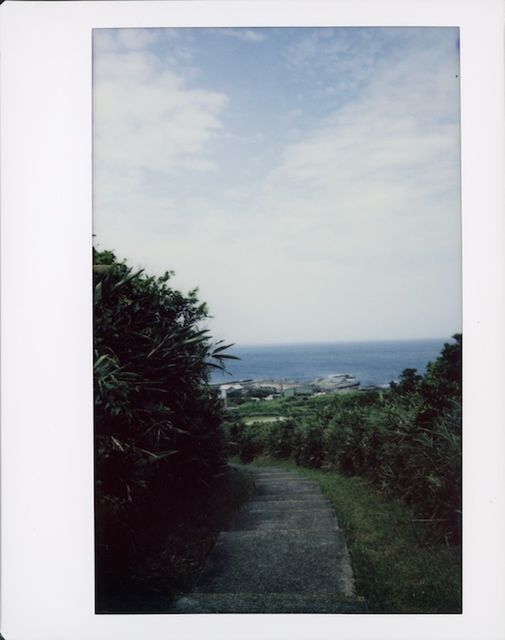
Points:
[(371, 362)]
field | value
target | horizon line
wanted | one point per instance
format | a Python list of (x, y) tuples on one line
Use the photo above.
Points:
[(355, 341)]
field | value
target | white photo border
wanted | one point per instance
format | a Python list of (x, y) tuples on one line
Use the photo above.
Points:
[(47, 553)]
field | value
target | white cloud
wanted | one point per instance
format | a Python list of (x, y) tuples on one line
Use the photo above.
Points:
[(246, 35), (387, 158), (130, 39), (148, 124), (137, 38), (353, 233), (348, 56), (362, 210)]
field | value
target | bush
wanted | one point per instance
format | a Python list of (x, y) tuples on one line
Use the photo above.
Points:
[(251, 443), (442, 384), (158, 436), (407, 441), (309, 450), (408, 382), (343, 442), (246, 440), (281, 438)]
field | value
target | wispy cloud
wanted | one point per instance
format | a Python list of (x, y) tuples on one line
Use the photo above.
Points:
[(244, 34), (147, 121), (340, 221), (132, 39)]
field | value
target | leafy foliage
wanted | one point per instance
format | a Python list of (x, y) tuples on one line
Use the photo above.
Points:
[(309, 451), (442, 384), (406, 441), (408, 382), (158, 436), (282, 438)]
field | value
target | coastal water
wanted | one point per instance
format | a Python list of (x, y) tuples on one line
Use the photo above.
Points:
[(372, 363)]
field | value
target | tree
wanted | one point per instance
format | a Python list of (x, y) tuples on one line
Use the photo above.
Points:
[(441, 387), (408, 382), (158, 438)]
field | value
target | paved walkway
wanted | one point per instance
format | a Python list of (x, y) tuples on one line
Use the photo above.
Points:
[(283, 553)]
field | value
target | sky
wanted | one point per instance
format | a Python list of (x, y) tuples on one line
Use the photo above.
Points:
[(306, 180)]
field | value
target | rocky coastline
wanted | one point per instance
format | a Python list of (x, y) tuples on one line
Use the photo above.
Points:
[(270, 388)]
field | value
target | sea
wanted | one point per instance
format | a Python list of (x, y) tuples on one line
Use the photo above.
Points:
[(372, 363)]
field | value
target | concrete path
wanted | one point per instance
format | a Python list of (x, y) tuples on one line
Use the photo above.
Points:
[(283, 553)]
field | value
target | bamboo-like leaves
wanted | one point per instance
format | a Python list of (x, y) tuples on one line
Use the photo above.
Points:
[(157, 424)]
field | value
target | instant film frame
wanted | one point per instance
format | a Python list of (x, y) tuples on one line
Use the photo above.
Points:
[(47, 448), (308, 181)]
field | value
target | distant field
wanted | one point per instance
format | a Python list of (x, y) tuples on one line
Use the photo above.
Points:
[(263, 419), (285, 407)]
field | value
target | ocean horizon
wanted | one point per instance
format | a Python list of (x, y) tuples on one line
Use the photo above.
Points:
[(372, 362)]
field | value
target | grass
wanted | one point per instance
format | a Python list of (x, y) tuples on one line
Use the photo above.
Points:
[(175, 568), (263, 419), (287, 407), (395, 568)]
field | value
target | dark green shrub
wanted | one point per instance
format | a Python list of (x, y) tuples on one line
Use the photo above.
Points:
[(158, 436), (408, 382), (442, 384), (406, 440), (247, 440), (281, 439), (309, 450), (251, 445), (433, 483), (344, 444), (233, 434)]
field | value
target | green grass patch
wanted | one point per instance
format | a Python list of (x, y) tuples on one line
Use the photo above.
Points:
[(263, 419), (395, 569), (288, 407), (152, 585)]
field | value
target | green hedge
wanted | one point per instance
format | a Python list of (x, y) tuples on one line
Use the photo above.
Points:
[(158, 427), (406, 440)]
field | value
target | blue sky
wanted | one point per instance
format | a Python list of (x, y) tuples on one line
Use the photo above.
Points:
[(306, 180)]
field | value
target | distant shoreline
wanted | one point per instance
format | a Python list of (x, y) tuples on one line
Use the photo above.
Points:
[(278, 381), (325, 384), (374, 364), (382, 341)]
